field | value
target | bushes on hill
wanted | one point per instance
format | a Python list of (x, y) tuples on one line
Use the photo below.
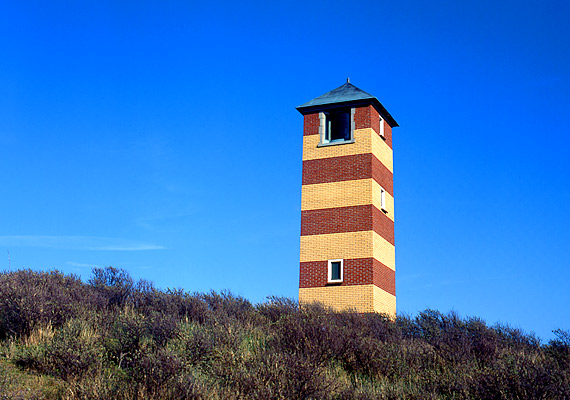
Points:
[(29, 299), (115, 338)]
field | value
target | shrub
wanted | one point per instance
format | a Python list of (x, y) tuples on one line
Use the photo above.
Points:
[(125, 339), (227, 307), (29, 299), (115, 285), (72, 351), (116, 338), (559, 348), (277, 307)]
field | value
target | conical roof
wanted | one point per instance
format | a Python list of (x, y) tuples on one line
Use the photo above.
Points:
[(347, 94)]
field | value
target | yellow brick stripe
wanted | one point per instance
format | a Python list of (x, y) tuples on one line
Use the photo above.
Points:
[(365, 141), (384, 251), (384, 302), (360, 298), (348, 245), (344, 194)]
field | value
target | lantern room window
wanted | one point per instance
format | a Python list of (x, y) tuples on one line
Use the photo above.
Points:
[(336, 126)]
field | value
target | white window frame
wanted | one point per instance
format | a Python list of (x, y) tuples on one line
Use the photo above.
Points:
[(330, 280), (381, 127), (323, 130), (383, 199)]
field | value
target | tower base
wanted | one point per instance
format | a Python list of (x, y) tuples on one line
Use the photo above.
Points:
[(359, 298)]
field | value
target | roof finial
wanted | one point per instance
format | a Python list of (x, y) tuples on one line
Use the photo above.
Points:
[(347, 80)]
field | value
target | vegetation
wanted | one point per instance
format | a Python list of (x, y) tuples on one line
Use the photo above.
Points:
[(114, 338)]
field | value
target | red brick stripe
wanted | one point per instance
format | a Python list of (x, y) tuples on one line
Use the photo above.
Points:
[(347, 219), (362, 117), (357, 271), (382, 175), (347, 168), (384, 277), (311, 124)]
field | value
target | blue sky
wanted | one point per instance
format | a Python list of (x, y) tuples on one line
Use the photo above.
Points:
[(163, 139)]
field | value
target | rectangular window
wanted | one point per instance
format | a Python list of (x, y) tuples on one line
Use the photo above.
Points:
[(381, 133), (336, 126), (335, 271), (383, 199)]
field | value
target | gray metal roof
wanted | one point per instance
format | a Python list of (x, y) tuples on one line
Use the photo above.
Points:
[(347, 94)]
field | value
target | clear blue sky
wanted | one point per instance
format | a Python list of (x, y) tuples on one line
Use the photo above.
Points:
[(162, 138)]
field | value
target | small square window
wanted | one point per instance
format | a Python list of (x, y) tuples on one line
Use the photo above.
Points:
[(335, 273)]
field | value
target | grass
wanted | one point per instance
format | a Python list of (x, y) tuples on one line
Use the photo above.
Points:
[(17, 384)]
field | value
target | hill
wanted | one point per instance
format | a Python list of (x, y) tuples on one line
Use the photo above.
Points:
[(113, 338)]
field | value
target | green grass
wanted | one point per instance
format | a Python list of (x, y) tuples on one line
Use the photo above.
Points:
[(16, 384)]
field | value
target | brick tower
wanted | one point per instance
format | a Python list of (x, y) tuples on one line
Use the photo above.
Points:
[(347, 205)]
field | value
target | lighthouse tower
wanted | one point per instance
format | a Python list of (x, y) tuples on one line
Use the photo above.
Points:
[(347, 205)]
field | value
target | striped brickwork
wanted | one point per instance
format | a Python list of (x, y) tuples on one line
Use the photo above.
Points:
[(346, 168), (358, 271), (341, 216), (355, 192)]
